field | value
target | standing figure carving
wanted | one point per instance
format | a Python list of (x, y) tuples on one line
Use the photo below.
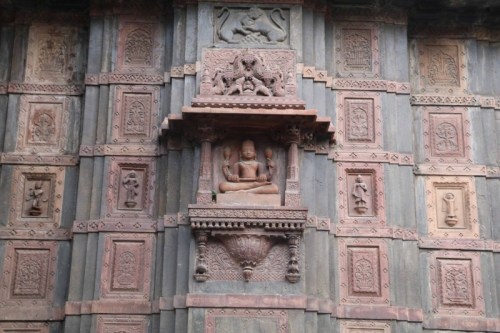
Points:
[(248, 175), (131, 183), (35, 195), (450, 209), (359, 192)]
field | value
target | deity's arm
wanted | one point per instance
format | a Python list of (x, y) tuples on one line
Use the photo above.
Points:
[(234, 175), (261, 176)]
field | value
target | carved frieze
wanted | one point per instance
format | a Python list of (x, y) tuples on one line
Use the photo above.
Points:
[(251, 320), (359, 120), (122, 323), (456, 283), (140, 48), (257, 77), (43, 124), (364, 271), (451, 207), (29, 272), (252, 26), (441, 66), (364, 326), (126, 271), (51, 55), (136, 114), (447, 135), (356, 50), (131, 187), (37, 197), (361, 193)]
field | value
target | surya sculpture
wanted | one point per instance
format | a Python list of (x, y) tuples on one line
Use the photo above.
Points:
[(248, 175), (359, 192)]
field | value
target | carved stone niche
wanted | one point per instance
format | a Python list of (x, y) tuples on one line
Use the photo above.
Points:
[(250, 26), (248, 78)]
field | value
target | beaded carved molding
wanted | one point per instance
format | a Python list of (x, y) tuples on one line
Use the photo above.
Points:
[(364, 326), (136, 114), (29, 273), (361, 193), (356, 50), (43, 124), (140, 47), (441, 66), (447, 135), (131, 187), (37, 197), (364, 271), (359, 120), (122, 323), (51, 55), (126, 271), (451, 207), (456, 283), (251, 320)]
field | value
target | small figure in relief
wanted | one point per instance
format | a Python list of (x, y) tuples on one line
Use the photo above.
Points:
[(359, 192), (248, 175), (35, 196), (131, 183), (450, 209)]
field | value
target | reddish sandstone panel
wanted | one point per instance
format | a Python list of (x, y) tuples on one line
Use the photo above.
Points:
[(131, 187), (364, 326), (447, 135), (120, 323), (359, 120), (140, 48), (126, 271), (451, 207), (136, 114), (51, 54), (356, 50), (28, 273), (43, 124), (24, 327), (442, 66), (364, 271), (36, 200), (361, 193), (456, 283), (246, 320)]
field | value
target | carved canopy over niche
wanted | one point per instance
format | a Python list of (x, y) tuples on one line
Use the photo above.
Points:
[(257, 78)]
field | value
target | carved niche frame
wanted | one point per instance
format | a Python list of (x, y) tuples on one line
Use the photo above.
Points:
[(54, 107), (361, 68), (51, 179), (460, 293), (372, 252), (139, 286), (458, 119), (468, 225), (374, 174), (347, 102)]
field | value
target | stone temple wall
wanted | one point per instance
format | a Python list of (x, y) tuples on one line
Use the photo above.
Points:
[(126, 205)]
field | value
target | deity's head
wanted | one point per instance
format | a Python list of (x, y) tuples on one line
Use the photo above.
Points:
[(449, 196), (247, 150), (359, 179)]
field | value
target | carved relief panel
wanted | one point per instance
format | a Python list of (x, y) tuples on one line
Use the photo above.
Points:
[(135, 119), (361, 194), (359, 120), (126, 270), (452, 207), (24, 327), (447, 135), (51, 54), (252, 26), (364, 271), (122, 324), (29, 272), (43, 124), (441, 66), (364, 326), (246, 320), (140, 46), (357, 53), (456, 283), (131, 187), (36, 200)]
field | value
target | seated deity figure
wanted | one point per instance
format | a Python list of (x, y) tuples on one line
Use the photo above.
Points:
[(248, 175)]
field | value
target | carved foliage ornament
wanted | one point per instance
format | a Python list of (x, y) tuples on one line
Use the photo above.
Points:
[(250, 26)]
